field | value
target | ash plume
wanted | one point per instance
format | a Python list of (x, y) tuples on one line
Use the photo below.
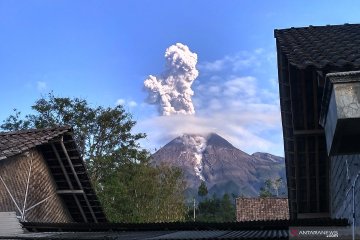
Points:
[(172, 89)]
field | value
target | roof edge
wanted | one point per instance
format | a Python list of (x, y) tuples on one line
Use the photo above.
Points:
[(276, 31), (64, 128)]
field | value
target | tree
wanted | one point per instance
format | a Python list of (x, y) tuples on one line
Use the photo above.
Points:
[(216, 210), (127, 185), (265, 191), (202, 191), (138, 199), (276, 184), (103, 135), (271, 188)]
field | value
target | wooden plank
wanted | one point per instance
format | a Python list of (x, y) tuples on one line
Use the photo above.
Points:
[(68, 181), (306, 141), (316, 123), (308, 183), (77, 179), (304, 98), (315, 103), (309, 132), (295, 184), (317, 180), (69, 191)]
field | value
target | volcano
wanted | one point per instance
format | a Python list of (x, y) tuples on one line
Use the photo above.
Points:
[(223, 167)]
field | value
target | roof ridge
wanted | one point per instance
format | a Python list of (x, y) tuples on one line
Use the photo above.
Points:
[(317, 26), (64, 127)]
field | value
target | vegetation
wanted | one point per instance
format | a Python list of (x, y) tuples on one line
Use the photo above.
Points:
[(129, 188), (214, 209), (271, 188), (140, 193), (203, 191)]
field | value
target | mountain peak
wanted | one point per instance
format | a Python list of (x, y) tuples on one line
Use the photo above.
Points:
[(216, 140), (212, 139), (268, 157), (224, 168)]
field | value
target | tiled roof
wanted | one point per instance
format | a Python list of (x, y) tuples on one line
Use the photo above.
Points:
[(12, 143), (65, 164), (255, 209), (321, 46)]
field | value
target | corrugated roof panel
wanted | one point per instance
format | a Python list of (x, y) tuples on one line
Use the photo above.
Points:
[(192, 235), (257, 234)]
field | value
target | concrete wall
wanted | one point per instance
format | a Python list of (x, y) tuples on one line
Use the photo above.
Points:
[(343, 170)]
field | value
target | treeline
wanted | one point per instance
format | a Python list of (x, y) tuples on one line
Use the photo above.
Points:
[(129, 187), (142, 193), (213, 209)]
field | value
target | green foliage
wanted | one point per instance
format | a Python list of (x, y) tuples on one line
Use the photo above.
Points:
[(216, 210), (202, 191), (139, 193), (129, 188), (103, 135), (271, 188), (264, 192)]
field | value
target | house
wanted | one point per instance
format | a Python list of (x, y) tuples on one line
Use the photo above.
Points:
[(319, 91), (46, 193), (43, 178), (261, 209)]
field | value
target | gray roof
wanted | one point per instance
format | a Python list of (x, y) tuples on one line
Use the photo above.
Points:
[(321, 46), (12, 143), (275, 229), (66, 165), (161, 235)]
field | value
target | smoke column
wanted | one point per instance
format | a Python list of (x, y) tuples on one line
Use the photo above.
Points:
[(172, 89)]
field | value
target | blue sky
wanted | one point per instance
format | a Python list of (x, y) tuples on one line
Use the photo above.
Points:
[(104, 50)]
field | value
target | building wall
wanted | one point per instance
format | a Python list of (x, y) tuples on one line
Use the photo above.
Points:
[(343, 170), (14, 171), (255, 209)]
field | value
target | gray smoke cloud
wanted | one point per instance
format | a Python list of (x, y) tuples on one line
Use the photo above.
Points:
[(172, 89)]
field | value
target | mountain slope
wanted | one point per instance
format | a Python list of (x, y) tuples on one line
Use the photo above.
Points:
[(223, 167)]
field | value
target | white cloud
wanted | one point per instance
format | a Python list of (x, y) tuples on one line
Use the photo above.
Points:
[(120, 101), (244, 109), (124, 102), (259, 50), (132, 104), (216, 65), (234, 107), (214, 89), (41, 86), (236, 62), (241, 85), (244, 131)]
